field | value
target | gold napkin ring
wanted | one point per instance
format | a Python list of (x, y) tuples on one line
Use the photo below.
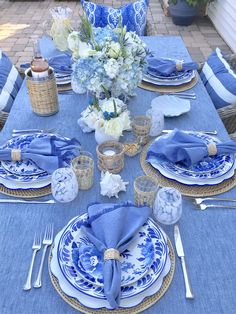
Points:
[(16, 154), (111, 254), (212, 149), (179, 66)]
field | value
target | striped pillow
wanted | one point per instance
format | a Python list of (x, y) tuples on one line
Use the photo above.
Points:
[(10, 83), (219, 80)]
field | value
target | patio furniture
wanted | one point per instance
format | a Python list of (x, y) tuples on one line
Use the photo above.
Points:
[(228, 113)]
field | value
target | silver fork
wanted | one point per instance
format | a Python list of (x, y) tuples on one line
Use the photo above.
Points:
[(199, 200), (203, 206), (36, 246), (47, 241), (29, 131)]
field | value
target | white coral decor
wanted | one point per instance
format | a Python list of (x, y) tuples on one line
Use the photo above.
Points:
[(111, 184)]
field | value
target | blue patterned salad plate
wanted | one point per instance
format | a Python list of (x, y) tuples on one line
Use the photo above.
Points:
[(211, 170), (141, 264), (25, 167)]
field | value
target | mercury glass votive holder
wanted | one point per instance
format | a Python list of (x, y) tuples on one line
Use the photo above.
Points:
[(141, 126), (83, 167), (145, 189)]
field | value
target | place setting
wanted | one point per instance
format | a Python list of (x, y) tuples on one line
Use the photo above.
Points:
[(167, 75), (195, 163), (28, 160), (94, 267)]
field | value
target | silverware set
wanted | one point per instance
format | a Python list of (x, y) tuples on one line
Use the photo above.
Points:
[(181, 255), (47, 241), (182, 95), (29, 131), (213, 132), (200, 203)]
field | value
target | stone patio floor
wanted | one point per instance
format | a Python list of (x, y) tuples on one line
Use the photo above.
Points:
[(23, 21)]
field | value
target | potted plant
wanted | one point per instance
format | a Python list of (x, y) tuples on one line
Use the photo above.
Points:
[(183, 12)]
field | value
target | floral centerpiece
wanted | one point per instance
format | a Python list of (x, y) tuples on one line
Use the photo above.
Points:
[(108, 117), (107, 60)]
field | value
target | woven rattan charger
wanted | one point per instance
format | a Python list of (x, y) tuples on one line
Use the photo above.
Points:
[(169, 89), (188, 190), (146, 303), (26, 193)]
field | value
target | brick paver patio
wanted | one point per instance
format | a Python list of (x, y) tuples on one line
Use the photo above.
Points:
[(22, 21)]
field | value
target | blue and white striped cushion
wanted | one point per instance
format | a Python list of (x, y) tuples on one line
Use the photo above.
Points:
[(219, 80), (10, 83)]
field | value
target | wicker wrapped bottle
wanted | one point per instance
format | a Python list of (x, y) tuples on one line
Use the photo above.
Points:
[(42, 86)]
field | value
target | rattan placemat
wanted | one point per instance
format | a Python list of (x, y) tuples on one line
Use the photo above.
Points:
[(147, 302), (169, 89), (188, 190), (29, 193)]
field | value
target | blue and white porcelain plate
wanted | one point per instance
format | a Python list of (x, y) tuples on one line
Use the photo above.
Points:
[(81, 263), (186, 78), (25, 167), (207, 171), (173, 76), (97, 303)]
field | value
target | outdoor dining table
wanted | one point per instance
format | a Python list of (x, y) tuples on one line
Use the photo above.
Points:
[(208, 236)]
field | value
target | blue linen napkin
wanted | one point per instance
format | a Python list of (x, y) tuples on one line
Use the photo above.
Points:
[(114, 226), (48, 153), (185, 148), (161, 66), (60, 63)]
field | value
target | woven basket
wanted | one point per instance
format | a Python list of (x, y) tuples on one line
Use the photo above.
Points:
[(43, 94), (113, 163)]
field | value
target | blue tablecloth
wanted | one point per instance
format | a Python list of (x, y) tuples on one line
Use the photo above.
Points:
[(208, 236)]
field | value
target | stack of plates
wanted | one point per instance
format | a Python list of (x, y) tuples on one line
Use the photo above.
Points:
[(23, 175), (63, 81), (210, 171), (77, 265), (174, 79)]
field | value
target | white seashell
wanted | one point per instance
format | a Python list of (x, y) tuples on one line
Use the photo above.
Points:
[(83, 125), (111, 184)]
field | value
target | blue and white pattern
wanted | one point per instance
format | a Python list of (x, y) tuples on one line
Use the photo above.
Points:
[(185, 77), (210, 168), (219, 80), (26, 167), (10, 83), (76, 255), (134, 15)]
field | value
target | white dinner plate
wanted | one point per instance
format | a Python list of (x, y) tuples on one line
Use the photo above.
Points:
[(171, 106)]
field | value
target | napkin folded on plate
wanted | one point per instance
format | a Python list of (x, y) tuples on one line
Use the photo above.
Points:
[(186, 148), (114, 226), (60, 63), (49, 153), (161, 66)]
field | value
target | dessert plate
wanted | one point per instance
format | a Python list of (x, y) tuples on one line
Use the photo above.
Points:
[(171, 106), (153, 254)]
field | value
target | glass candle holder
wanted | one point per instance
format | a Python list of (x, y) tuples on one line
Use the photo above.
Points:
[(168, 206), (64, 185), (157, 121), (141, 126), (83, 167), (131, 144), (110, 156), (145, 189)]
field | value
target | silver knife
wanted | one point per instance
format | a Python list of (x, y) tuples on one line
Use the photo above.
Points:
[(214, 132), (180, 253), (6, 200)]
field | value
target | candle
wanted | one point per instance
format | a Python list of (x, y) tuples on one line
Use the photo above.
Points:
[(109, 152)]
